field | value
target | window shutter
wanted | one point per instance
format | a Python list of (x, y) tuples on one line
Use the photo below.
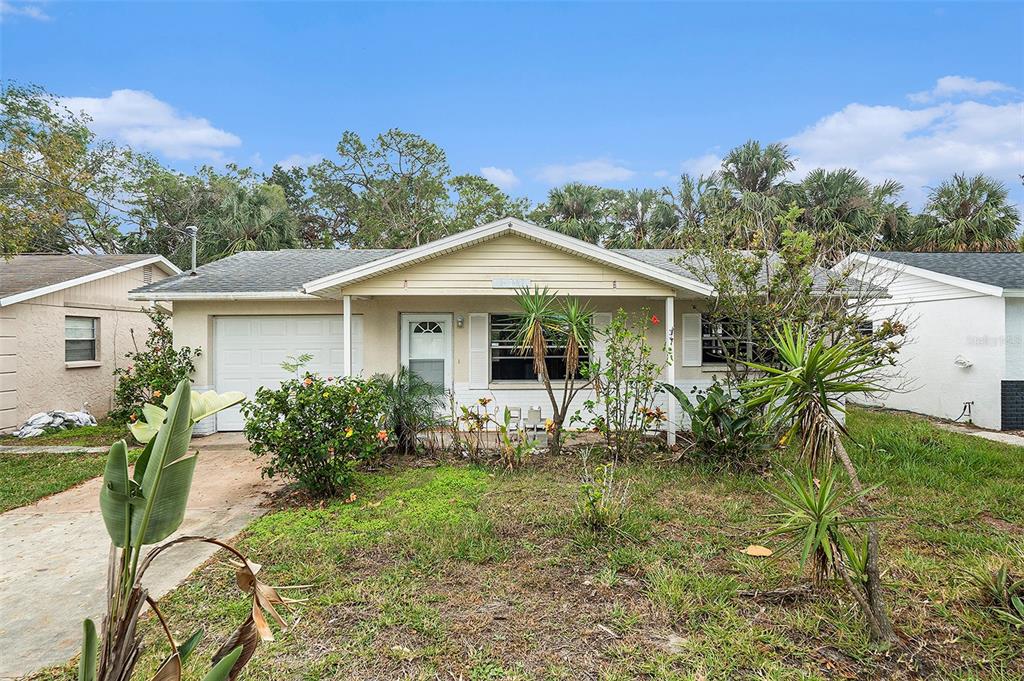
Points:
[(601, 322), (691, 340), (479, 351)]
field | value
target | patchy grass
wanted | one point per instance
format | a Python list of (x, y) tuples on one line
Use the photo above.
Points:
[(100, 435), (26, 478), (464, 572)]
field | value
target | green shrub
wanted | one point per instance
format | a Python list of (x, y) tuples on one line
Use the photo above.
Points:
[(725, 432), (153, 372), (318, 430)]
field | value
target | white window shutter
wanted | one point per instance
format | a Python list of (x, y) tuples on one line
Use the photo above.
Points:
[(479, 351), (691, 340), (601, 322)]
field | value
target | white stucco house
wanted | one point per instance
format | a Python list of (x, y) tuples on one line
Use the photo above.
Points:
[(65, 322), (964, 356), (441, 309)]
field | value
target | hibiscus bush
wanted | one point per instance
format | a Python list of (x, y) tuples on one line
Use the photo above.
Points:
[(317, 430)]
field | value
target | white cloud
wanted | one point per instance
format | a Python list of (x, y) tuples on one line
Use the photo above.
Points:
[(917, 147), (949, 87), (702, 165), (145, 122), (500, 177), (23, 9), (596, 171), (300, 161)]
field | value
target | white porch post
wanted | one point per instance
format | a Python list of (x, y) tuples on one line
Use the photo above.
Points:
[(670, 368), (346, 332)]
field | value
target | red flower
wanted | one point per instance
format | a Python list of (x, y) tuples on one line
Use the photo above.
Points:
[(654, 319)]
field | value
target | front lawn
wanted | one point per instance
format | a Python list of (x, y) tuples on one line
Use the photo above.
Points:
[(101, 435), (25, 478), (463, 572)]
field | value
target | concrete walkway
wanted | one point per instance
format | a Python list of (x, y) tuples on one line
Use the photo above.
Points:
[(993, 435), (53, 554)]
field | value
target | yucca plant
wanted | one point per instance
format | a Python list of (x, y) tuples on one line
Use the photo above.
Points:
[(813, 519), (805, 393), (546, 322), (145, 507)]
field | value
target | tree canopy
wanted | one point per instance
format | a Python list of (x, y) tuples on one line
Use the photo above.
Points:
[(67, 190)]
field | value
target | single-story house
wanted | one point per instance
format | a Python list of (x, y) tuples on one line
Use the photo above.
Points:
[(964, 355), (441, 309), (65, 323)]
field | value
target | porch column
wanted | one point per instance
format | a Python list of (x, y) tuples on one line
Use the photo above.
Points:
[(346, 332), (670, 368)]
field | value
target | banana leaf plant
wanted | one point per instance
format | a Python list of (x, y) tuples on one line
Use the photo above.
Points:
[(144, 507)]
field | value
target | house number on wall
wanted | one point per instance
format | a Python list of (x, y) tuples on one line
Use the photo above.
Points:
[(510, 283)]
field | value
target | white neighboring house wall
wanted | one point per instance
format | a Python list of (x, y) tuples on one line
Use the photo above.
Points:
[(955, 350)]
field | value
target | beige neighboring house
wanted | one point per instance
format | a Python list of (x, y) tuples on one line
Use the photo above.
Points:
[(444, 310), (65, 322)]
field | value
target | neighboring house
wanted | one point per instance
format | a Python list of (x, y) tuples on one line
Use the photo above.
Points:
[(65, 323), (965, 345), (444, 309)]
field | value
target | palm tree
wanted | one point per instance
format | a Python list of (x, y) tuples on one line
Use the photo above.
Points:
[(806, 392), (250, 219), (641, 219), (576, 209), (755, 179), (838, 209), (969, 214)]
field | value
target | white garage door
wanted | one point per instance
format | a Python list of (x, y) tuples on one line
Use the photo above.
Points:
[(249, 352)]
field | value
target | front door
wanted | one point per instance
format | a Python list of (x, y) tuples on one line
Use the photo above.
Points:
[(427, 347)]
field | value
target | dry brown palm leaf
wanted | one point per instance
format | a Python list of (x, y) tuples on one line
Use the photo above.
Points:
[(265, 597)]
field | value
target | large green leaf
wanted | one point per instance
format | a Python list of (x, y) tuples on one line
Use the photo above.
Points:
[(165, 486), (115, 497), (222, 669), (90, 647), (169, 501), (203, 405)]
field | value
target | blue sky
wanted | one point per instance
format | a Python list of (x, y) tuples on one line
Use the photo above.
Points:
[(533, 95)]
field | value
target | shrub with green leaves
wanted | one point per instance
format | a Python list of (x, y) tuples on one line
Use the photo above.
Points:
[(152, 372), (1001, 592), (318, 430), (725, 431)]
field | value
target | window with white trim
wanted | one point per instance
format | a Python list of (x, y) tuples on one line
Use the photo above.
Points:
[(724, 339), (509, 364), (80, 339)]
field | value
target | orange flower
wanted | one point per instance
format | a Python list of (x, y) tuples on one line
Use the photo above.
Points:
[(132, 417), (308, 381), (382, 435), (157, 393)]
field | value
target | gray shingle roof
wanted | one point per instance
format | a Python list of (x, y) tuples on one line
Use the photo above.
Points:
[(287, 270), (34, 271), (1005, 270), (265, 271)]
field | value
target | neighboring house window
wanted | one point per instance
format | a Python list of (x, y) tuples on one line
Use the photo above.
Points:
[(508, 364), (80, 339), (866, 328)]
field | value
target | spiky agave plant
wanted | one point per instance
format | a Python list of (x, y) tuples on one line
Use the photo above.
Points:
[(145, 507)]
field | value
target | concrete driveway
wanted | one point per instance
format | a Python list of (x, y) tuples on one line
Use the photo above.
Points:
[(53, 554)]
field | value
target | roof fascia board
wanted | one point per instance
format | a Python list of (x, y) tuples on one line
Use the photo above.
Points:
[(160, 260), (500, 228), (960, 282), (225, 295)]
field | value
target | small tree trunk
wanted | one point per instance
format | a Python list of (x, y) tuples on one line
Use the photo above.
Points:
[(881, 626)]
